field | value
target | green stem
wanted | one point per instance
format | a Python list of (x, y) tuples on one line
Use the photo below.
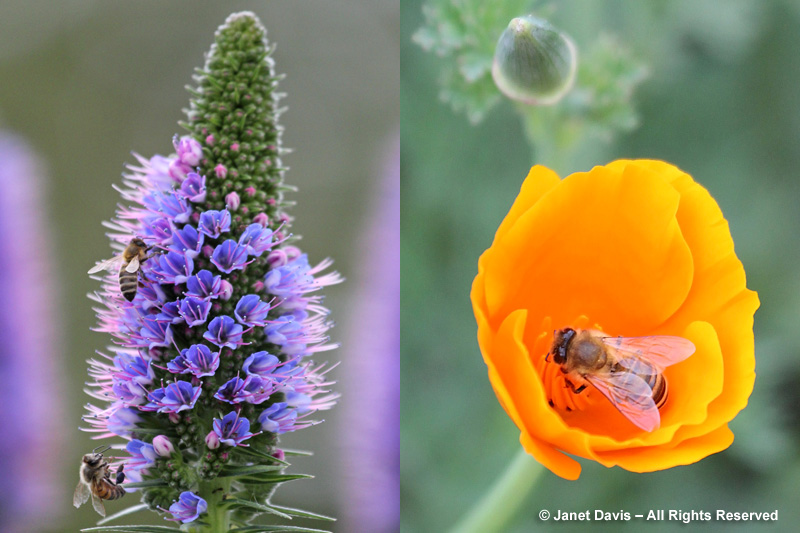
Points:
[(218, 517), (500, 503)]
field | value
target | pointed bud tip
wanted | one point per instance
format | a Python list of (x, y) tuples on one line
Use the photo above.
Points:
[(534, 63)]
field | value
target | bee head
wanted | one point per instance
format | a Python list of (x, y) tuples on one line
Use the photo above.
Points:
[(561, 340), (139, 242), (93, 459)]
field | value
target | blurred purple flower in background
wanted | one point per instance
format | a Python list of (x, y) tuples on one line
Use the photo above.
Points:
[(29, 329), (371, 461)]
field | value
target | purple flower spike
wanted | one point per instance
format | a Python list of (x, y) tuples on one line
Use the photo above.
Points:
[(232, 430), (193, 188), (174, 398), (252, 311), (170, 313), (188, 507), (174, 268), (229, 256), (195, 310), (197, 360), (232, 392), (257, 239), (278, 418), (187, 241), (169, 205), (124, 421), (154, 333), (292, 279), (261, 364), (143, 455), (288, 333), (224, 331), (158, 230), (134, 367), (204, 284), (214, 223)]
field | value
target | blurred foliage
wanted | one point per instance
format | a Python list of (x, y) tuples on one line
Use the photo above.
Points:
[(465, 34), (721, 103), (87, 82)]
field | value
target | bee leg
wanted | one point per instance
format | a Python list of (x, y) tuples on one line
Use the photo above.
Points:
[(572, 387), (148, 256), (120, 475)]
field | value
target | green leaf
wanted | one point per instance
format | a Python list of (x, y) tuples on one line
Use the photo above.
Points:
[(302, 453), (236, 471), (273, 479), (124, 512), (261, 455), (276, 529), (239, 502), (304, 514), (132, 529)]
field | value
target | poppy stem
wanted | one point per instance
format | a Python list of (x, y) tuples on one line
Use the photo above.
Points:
[(499, 505)]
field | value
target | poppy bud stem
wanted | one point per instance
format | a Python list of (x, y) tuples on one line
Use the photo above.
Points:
[(498, 506)]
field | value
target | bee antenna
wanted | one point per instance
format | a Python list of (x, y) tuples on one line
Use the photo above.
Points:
[(102, 448)]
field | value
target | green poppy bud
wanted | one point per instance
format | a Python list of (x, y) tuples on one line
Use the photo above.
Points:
[(534, 63)]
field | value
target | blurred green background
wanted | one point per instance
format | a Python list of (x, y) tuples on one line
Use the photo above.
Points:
[(722, 103), (87, 82)]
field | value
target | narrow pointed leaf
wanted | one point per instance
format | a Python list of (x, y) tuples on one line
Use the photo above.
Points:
[(124, 512)]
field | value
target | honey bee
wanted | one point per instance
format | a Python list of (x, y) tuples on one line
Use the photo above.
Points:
[(626, 370), (95, 479), (129, 261)]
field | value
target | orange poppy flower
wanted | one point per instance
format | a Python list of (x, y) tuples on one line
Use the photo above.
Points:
[(633, 248)]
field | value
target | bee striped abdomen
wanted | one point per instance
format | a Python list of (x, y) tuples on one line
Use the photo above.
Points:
[(106, 490), (658, 383), (128, 283)]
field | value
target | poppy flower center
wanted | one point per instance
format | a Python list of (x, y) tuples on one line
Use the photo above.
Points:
[(559, 394)]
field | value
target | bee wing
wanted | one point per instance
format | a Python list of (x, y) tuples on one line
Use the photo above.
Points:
[(81, 494), (107, 264), (97, 503), (631, 395), (133, 266), (659, 351)]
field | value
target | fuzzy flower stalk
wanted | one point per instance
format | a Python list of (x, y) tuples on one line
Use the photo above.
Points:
[(211, 355)]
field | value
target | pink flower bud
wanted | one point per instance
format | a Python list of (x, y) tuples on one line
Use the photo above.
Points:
[(279, 455), (174, 418), (210, 140), (232, 201), (163, 446), (221, 171), (189, 151), (208, 250), (277, 258), (262, 219), (212, 441), (178, 170), (234, 147), (292, 252), (250, 191), (226, 291)]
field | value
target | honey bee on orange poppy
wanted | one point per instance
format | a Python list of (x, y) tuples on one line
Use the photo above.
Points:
[(626, 370)]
